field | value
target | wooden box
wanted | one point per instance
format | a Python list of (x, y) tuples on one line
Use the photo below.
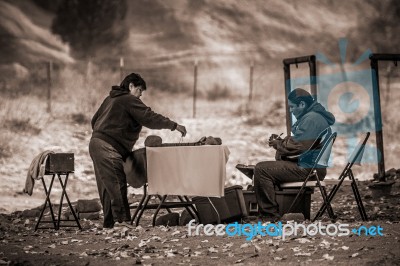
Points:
[(60, 163)]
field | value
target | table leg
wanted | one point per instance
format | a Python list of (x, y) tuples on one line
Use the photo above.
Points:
[(146, 201), (158, 209), (64, 193), (45, 204)]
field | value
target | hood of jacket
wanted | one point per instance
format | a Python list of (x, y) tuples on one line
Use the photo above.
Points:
[(318, 108), (117, 91)]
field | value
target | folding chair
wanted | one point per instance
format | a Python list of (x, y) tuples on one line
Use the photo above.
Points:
[(355, 158), (326, 140)]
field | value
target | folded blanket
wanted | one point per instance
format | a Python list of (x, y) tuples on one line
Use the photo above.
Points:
[(36, 171)]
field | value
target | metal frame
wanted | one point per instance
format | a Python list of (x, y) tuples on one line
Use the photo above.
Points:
[(310, 59), (56, 222), (375, 58), (143, 205), (347, 172)]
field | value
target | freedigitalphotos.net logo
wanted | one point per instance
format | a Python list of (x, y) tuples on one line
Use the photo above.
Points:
[(349, 95), (279, 229)]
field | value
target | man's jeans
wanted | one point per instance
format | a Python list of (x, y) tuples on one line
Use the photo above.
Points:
[(111, 182), (269, 174)]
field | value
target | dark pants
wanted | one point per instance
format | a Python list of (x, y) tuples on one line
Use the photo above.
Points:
[(269, 174), (111, 182)]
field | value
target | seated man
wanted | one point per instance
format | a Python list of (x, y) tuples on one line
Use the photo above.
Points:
[(312, 119)]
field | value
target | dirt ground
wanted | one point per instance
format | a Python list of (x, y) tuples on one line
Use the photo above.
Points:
[(21, 245), (147, 245)]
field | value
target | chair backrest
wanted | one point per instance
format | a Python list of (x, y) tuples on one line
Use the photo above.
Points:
[(321, 139), (325, 153), (314, 154), (358, 152)]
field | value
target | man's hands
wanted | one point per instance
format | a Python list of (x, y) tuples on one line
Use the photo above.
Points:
[(181, 129), (274, 140)]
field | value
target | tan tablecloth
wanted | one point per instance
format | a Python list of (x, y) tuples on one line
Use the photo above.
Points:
[(187, 170)]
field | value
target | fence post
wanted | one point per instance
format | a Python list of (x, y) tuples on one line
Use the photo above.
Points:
[(251, 81), (121, 67), (195, 88), (49, 84)]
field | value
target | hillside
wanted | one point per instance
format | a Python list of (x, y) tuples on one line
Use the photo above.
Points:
[(24, 42), (224, 37)]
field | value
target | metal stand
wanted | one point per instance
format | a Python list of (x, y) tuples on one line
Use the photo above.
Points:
[(143, 205), (56, 221)]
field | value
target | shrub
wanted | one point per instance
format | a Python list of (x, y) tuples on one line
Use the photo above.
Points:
[(218, 92), (21, 125)]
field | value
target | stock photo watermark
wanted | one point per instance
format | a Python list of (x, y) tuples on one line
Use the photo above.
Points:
[(352, 96), (250, 231)]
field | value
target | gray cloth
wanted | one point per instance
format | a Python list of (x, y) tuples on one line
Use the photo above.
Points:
[(36, 171)]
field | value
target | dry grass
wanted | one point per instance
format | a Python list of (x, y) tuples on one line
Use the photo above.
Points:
[(78, 92)]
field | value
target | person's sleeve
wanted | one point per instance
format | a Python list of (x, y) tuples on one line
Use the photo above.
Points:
[(94, 119), (148, 118), (300, 141)]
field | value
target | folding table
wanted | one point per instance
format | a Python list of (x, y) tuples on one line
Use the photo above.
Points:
[(60, 165), (183, 171)]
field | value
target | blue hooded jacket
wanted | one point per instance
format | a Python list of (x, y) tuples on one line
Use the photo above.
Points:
[(305, 131)]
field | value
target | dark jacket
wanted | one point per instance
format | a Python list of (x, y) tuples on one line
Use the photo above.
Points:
[(305, 131), (120, 118)]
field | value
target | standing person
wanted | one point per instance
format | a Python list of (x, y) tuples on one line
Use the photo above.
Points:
[(116, 126), (312, 119)]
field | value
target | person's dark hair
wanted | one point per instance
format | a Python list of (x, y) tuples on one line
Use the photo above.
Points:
[(134, 78), (298, 95)]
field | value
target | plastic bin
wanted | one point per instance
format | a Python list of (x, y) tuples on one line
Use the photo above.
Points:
[(250, 201), (235, 200), (284, 198), (207, 213), (231, 207)]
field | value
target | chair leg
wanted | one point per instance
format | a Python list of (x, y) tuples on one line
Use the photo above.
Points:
[(326, 202), (357, 195), (331, 195)]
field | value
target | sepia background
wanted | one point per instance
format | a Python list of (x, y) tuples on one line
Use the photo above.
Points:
[(213, 66)]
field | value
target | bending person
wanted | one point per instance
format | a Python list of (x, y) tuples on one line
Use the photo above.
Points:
[(116, 126)]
